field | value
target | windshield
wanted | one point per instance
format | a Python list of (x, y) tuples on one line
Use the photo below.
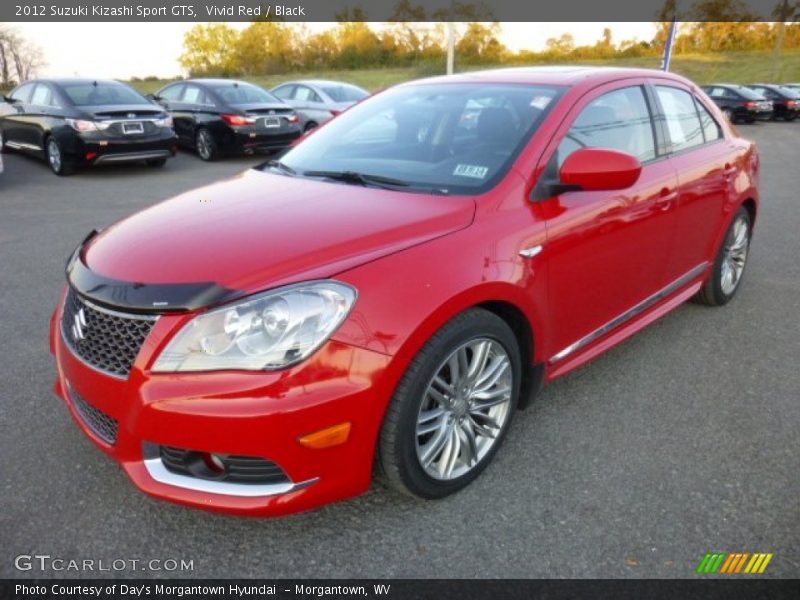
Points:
[(98, 93), (344, 93), (243, 93), (456, 138)]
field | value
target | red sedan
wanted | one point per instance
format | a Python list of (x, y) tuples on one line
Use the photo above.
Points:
[(384, 297)]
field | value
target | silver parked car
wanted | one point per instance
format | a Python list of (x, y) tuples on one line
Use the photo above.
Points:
[(318, 100)]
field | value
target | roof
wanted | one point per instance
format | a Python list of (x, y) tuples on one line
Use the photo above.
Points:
[(317, 82), (216, 81), (555, 75), (78, 80)]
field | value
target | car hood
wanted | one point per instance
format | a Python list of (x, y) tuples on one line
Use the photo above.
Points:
[(260, 230)]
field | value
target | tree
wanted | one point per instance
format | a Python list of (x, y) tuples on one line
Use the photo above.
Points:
[(267, 47), (20, 59), (211, 50)]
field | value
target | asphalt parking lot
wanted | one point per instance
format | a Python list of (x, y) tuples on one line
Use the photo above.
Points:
[(684, 440)]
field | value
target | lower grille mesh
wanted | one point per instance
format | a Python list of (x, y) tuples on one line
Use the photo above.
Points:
[(103, 425)]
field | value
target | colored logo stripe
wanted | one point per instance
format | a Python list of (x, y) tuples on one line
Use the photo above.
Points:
[(733, 562)]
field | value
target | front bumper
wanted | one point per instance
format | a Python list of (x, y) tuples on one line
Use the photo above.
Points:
[(260, 414)]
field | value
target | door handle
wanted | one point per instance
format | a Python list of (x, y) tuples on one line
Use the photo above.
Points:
[(665, 197)]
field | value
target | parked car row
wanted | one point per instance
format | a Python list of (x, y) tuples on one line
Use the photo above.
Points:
[(72, 123), (756, 102)]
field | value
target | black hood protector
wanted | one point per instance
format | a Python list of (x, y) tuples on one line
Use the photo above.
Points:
[(142, 297)]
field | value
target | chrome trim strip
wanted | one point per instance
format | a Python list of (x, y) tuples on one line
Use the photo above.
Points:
[(131, 156), (115, 313), (22, 146), (530, 252), (159, 472), (629, 314)]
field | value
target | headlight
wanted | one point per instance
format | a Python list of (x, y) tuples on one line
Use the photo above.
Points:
[(165, 122), (84, 126), (268, 331)]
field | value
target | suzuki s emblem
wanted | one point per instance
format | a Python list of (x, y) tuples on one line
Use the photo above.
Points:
[(78, 323), (131, 115)]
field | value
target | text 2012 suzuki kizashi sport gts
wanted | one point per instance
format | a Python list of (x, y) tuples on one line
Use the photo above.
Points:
[(386, 295)]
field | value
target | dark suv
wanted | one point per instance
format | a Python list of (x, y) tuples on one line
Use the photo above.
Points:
[(81, 122), (740, 103)]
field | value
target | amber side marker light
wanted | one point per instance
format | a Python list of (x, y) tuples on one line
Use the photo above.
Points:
[(325, 438)]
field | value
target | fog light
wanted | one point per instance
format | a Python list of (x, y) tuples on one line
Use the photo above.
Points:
[(214, 463), (325, 438)]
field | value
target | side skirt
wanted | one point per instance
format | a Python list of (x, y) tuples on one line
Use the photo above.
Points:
[(627, 324)]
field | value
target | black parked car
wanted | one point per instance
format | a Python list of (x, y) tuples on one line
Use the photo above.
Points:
[(740, 103), (81, 122), (221, 116), (785, 100)]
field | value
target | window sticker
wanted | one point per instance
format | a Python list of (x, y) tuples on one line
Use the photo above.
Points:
[(474, 171), (540, 102)]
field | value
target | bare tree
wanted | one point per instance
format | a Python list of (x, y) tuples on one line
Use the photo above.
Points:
[(19, 58)]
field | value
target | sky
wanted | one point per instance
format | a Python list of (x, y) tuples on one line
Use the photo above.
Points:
[(125, 50)]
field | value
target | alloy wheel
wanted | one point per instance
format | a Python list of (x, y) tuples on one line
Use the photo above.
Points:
[(204, 144), (54, 155), (735, 255), (464, 409)]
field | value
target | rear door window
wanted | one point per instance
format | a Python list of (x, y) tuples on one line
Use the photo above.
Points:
[(711, 129), (683, 122)]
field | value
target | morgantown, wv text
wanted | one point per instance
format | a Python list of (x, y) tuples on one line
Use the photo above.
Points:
[(160, 590)]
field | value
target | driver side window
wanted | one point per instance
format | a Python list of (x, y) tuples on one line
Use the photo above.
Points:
[(619, 120)]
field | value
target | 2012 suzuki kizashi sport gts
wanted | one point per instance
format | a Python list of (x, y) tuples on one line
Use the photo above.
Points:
[(388, 294)]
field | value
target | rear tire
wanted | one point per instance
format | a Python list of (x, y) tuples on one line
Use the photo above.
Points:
[(729, 265), (309, 126), (205, 145), (3, 147), (790, 117), (55, 158), (439, 432)]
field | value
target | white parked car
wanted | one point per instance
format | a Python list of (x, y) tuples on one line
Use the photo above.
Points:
[(318, 100)]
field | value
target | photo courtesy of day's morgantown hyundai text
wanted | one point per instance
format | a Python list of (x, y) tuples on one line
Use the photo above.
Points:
[(384, 296)]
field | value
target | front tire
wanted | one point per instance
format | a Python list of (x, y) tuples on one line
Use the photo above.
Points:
[(729, 264), (452, 408)]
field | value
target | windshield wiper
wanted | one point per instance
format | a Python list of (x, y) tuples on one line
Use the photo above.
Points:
[(281, 166), (359, 178)]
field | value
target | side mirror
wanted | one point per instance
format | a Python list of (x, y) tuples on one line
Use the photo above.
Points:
[(10, 100), (598, 169)]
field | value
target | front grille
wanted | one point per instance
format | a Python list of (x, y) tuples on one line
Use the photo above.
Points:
[(106, 340), (237, 469), (103, 425)]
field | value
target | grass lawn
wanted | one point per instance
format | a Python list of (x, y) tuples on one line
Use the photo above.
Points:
[(733, 67)]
